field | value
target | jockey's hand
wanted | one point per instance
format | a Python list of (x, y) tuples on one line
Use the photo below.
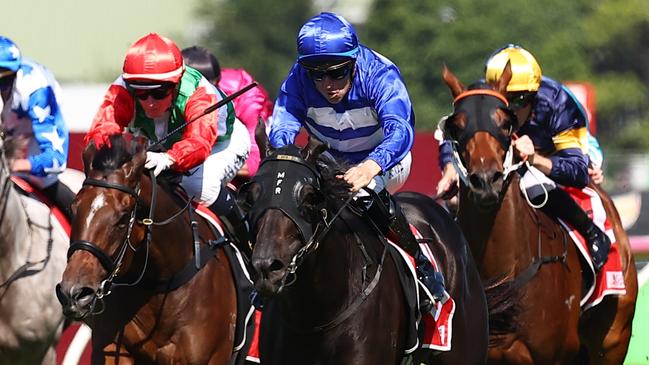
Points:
[(448, 185), (525, 148), (158, 161), (361, 175), (596, 174), (21, 165)]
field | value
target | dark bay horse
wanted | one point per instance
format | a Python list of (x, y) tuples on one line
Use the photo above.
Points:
[(131, 273), (334, 294), (509, 237)]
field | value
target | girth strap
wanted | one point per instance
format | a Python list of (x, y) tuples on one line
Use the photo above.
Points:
[(206, 253)]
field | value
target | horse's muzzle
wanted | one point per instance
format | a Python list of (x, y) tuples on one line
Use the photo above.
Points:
[(485, 188), (76, 301), (269, 275)]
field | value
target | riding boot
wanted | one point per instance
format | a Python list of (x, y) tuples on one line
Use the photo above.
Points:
[(561, 205), (233, 219), (432, 280)]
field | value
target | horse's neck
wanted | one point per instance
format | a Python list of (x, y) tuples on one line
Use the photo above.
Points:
[(14, 230), (497, 237)]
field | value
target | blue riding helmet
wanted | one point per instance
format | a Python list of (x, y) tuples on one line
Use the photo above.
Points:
[(10, 57), (326, 36)]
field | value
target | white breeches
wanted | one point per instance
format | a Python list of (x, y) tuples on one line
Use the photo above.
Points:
[(205, 181)]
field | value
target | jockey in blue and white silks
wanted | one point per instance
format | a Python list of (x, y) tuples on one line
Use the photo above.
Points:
[(354, 99), (374, 120), (30, 95)]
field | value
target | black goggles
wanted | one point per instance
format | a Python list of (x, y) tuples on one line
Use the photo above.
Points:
[(520, 100), (336, 72), (158, 94)]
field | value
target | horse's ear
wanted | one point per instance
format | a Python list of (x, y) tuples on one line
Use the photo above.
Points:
[(133, 169), (503, 81), (261, 137), (453, 83), (88, 155), (313, 149)]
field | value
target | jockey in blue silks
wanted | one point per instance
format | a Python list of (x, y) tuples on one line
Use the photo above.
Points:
[(553, 136), (353, 99), (30, 98)]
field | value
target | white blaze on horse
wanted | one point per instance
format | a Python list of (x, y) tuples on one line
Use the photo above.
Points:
[(33, 247)]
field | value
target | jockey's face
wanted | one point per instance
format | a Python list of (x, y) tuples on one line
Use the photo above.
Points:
[(521, 104), (155, 102), (332, 81), (334, 90)]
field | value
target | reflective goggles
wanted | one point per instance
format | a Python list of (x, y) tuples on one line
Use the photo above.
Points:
[(336, 72), (520, 100), (158, 91)]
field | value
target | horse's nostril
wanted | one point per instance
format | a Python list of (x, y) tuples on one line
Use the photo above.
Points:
[(477, 181), (81, 294), (276, 265), (496, 177), (265, 267)]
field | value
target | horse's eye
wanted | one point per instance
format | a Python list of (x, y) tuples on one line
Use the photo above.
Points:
[(123, 221)]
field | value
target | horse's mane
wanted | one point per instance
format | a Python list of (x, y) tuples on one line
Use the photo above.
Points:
[(331, 185), (113, 156)]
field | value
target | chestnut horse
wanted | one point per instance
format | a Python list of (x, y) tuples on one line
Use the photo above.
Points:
[(332, 288), (507, 236), (132, 246)]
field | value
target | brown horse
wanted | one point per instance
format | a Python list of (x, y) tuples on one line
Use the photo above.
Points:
[(133, 274), (334, 296), (509, 237)]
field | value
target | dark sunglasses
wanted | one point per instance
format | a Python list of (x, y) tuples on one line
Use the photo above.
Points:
[(158, 93), (336, 73), (520, 100)]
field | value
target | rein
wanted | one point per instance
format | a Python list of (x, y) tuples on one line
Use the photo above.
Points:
[(25, 269)]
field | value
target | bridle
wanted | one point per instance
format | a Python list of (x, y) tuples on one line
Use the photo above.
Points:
[(494, 100), (114, 266), (297, 171), (312, 241)]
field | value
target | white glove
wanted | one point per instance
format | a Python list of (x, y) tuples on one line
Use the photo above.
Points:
[(158, 161)]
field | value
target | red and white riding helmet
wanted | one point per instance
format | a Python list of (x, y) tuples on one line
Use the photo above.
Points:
[(153, 58)]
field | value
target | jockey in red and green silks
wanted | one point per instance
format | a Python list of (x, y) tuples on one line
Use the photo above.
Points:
[(155, 94)]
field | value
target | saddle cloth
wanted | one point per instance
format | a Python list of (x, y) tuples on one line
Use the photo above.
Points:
[(610, 280), (28, 189), (435, 329), (247, 328)]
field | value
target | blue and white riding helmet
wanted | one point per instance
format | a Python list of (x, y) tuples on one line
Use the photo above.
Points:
[(326, 36), (10, 57)]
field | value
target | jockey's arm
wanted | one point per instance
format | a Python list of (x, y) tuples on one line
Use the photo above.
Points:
[(288, 113), (49, 131), (115, 113), (199, 136)]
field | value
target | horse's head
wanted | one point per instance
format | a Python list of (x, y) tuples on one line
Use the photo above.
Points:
[(286, 208), (105, 230), (480, 130)]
